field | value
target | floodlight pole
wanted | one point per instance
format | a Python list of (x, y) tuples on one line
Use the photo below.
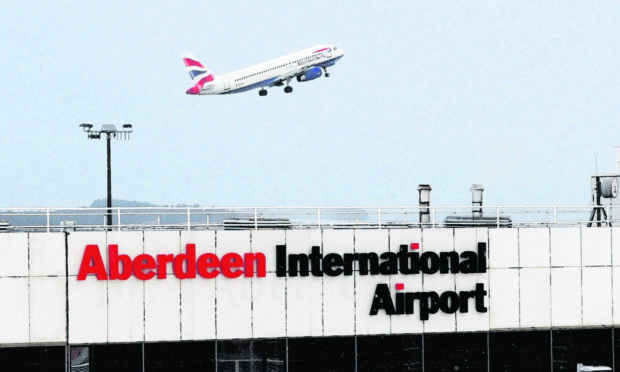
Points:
[(109, 204), (110, 131)]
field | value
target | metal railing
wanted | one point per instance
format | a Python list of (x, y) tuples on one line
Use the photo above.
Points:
[(204, 218)]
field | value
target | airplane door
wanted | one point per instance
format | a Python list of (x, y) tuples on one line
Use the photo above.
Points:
[(226, 84)]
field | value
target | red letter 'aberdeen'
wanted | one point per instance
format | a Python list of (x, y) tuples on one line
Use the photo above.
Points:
[(92, 255), (115, 259), (184, 265)]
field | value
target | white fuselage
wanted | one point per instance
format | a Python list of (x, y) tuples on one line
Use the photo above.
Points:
[(276, 71)]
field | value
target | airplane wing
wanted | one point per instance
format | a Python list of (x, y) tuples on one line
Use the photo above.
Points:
[(280, 80), (302, 74)]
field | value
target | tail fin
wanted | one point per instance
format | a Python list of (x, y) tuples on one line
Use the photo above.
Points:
[(198, 72)]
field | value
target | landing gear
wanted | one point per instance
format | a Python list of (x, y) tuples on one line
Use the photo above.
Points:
[(326, 73), (288, 89), (262, 92)]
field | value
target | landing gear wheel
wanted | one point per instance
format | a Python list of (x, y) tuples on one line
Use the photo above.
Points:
[(288, 89), (327, 74), (262, 92)]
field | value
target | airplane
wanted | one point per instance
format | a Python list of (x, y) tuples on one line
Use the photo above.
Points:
[(304, 65)]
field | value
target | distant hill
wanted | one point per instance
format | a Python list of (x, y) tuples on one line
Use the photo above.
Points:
[(102, 203)]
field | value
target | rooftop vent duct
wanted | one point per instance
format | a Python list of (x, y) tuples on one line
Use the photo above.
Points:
[(476, 219), (424, 201), (476, 200), (260, 223), (4, 225)]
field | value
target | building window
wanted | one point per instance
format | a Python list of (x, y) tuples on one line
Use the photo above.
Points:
[(389, 353), (32, 358), (520, 351), (455, 352), (116, 357), (333, 354), (591, 347), (251, 355), (179, 356)]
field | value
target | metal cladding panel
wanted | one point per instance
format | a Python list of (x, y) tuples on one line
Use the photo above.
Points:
[(436, 240), (597, 296), (473, 320), (13, 255), (503, 248), (596, 246), (232, 242), (440, 321), (339, 306), (616, 295), (162, 310), (234, 307), (304, 308), (126, 310), (88, 315), (162, 297), (504, 298), (376, 240), (269, 306), (126, 297), (48, 316), (535, 297), (14, 322), (402, 323), (197, 309), (300, 241), (47, 254), (468, 239), (615, 245), (198, 295), (398, 237), (163, 243), (565, 246), (339, 291), (566, 297), (234, 296), (411, 283), (365, 286), (534, 247), (367, 241), (304, 303)]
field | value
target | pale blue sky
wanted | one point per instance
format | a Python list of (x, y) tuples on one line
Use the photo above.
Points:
[(518, 96)]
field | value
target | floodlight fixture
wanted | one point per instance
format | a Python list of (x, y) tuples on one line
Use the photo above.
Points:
[(108, 128), (86, 127)]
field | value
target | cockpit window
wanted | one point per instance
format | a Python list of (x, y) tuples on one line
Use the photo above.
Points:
[(335, 48)]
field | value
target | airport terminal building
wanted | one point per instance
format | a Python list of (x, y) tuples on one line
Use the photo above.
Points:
[(369, 290)]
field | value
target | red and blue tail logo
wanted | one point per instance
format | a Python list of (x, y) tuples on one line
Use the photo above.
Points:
[(198, 72)]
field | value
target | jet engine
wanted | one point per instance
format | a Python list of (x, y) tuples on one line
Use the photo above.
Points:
[(310, 74)]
